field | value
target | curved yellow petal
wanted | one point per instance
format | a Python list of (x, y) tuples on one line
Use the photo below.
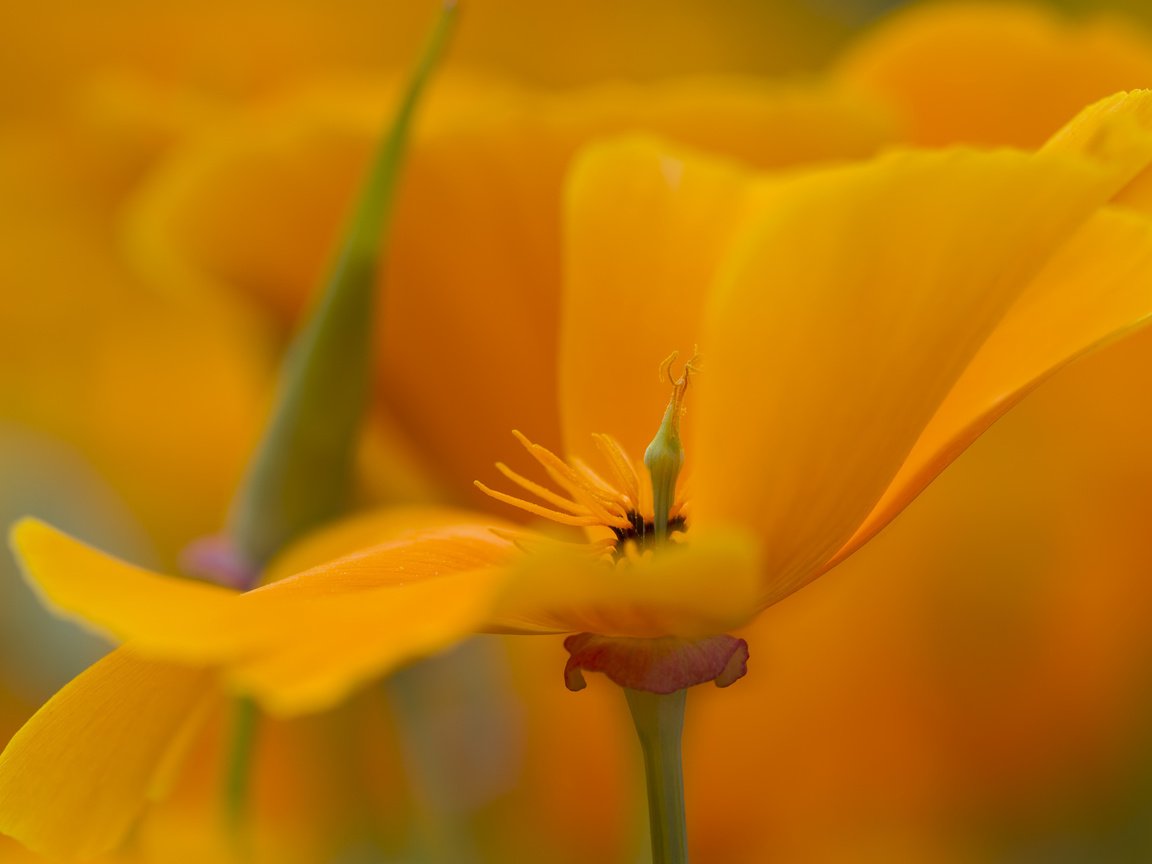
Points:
[(994, 73), (324, 649), (1117, 132), (113, 597), (361, 531), (701, 588), (646, 225), (299, 644), (852, 306), (1093, 291), (74, 779)]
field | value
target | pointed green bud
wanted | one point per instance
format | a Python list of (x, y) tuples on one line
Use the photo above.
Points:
[(301, 474)]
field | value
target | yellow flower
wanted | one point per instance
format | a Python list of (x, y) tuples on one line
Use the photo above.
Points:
[(861, 324)]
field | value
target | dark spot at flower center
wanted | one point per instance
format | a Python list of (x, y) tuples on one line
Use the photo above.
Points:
[(643, 532)]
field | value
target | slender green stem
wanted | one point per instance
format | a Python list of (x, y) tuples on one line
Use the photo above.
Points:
[(659, 723), (245, 717)]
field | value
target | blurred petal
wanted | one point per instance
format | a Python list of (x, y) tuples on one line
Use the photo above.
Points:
[(317, 652), (699, 589), (850, 310), (1094, 290), (994, 73), (299, 644), (113, 597), (361, 531), (73, 779), (485, 184), (767, 124), (645, 228)]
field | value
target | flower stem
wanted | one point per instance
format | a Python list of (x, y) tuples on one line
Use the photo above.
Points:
[(659, 723), (245, 719)]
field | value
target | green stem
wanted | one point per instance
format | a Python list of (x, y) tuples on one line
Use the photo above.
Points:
[(659, 723), (245, 718)]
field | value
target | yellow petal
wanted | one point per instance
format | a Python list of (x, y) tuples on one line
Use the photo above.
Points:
[(854, 303), (299, 644), (1116, 131), (115, 598), (1093, 291), (362, 531), (702, 588), (334, 644), (994, 73), (74, 779), (645, 227)]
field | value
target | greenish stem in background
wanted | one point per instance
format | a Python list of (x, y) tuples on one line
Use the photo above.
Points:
[(441, 830), (660, 723), (244, 718), (301, 474)]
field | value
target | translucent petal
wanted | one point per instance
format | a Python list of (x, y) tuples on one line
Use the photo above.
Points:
[(1093, 291), (852, 307), (699, 589), (646, 225), (74, 778), (301, 643)]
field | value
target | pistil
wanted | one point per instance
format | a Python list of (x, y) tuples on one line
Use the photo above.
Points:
[(665, 455)]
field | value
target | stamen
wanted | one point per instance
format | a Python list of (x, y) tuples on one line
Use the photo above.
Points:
[(561, 472), (621, 465), (542, 492), (581, 497), (538, 510)]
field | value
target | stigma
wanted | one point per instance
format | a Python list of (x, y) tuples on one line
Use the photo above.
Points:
[(637, 515)]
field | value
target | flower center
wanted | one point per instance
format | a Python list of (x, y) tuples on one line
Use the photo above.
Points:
[(640, 516)]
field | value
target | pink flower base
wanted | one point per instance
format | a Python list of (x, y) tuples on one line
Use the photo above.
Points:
[(662, 665)]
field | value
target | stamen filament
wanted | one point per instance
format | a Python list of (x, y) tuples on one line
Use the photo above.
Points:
[(621, 466), (542, 492), (537, 509), (561, 472)]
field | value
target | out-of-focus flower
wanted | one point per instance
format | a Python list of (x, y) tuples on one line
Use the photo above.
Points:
[(250, 213), (241, 50), (786, 274), (994, 73)]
